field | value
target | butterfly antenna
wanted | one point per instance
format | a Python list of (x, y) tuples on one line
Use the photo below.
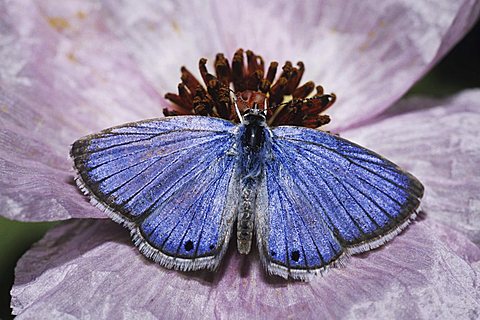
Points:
[(235, 103)]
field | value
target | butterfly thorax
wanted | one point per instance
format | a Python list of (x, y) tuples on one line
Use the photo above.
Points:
[(253, 134), (253, 137), (253, 142)]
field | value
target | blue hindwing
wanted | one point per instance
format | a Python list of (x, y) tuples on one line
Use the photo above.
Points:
[(323, 196), (172, 181)]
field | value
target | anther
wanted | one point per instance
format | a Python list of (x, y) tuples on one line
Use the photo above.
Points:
[(189, 80), (202, 66), (237, 71), (294, 81), (304, 91), (272, 70), (222, 70)]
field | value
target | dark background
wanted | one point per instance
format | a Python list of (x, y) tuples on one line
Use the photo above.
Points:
[(459, 70)]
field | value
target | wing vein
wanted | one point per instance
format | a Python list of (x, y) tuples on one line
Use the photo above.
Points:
[(341, 155), (176, 182), (144, 139), (212, 183), (338, 200), (140, 150), (305, 196), (157, 158)]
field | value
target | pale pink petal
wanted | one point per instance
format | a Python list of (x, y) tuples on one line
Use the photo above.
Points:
[(368, 52), (91, 270), (62, 75), (440, 146), (65, 64), (36, 184)]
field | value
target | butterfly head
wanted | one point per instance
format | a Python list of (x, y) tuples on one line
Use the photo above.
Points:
[(247, 106), (255, 116)]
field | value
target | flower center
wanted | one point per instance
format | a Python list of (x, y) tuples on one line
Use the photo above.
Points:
[(286, 101)]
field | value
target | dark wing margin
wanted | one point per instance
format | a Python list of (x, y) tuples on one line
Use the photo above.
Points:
[(324, 193), (168, 180)]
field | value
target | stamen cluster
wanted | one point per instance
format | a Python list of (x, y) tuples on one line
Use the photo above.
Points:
[(286, 101)]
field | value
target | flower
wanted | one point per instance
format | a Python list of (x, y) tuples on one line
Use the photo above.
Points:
[(73, 68)]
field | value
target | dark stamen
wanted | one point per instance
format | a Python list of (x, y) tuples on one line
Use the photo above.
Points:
[(251, 62), (189, 80), (203, 104), (237, 71), (222, 70), (202, 66), (287, 101), (254, 79), (304, 91), (277, 91), (296, 77), (272, 70)]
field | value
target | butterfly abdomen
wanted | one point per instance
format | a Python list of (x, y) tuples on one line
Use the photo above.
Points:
[(245, 220)]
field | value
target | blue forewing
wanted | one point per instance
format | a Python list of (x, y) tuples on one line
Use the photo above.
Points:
[(180, 184)]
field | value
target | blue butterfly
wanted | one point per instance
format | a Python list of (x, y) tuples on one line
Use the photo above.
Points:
[(308, 197)]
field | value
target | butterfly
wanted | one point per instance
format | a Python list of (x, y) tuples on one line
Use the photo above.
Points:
[(305, 197)]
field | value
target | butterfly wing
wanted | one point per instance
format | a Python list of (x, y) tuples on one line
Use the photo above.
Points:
[(170, 181), (323, 196)]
